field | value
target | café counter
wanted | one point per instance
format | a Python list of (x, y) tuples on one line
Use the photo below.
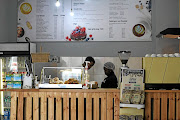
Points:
[(64, 104), (162, 105)]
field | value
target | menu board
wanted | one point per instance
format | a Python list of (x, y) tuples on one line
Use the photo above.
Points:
[(93, 20), (132, 79)]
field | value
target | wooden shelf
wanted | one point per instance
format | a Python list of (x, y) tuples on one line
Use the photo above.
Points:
[(7, 107), (174, 37), (171, 36)]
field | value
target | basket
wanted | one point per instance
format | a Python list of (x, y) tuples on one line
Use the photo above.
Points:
[(40, 57)]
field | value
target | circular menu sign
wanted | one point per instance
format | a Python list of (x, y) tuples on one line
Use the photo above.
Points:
[(26, 8)]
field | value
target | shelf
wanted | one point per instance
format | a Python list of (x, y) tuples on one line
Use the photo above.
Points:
[(171, 36), (138, 106), (4, 68), (7, 107), (174, 37), (170, 33)]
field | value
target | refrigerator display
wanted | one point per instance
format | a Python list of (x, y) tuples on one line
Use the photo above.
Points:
[(12, 70)]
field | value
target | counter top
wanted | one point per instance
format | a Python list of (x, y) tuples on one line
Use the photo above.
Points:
[(82, 90), (64, 90), (159, 91)]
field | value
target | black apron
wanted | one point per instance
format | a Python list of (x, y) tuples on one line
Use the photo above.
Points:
[(110, 81)]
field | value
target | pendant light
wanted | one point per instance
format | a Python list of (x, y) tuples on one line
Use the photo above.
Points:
[(57, 3), (71, 13)]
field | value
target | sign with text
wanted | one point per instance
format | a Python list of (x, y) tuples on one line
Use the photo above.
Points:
[(93, 20), (132, 79)]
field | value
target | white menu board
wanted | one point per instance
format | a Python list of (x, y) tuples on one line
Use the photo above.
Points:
[(93, 20), (132, 79)]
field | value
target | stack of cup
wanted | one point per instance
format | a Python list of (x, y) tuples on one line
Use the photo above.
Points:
[(163, 55)]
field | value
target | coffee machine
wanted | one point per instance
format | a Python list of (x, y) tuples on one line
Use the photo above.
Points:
[(124, 57)]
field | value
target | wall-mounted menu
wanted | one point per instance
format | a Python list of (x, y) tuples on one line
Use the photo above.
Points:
[(93, 20)]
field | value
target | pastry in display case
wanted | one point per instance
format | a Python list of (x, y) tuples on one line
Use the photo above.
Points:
[(61, 77), (55, 81), (71, 81)]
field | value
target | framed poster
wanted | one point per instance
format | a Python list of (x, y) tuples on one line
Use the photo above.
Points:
[(93, 20)]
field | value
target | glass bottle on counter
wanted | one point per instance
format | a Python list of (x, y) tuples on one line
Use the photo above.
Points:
[(36, 83), (86, 76)]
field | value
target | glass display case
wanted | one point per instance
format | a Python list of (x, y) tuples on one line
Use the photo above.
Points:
[(62, 77), (12, 69)]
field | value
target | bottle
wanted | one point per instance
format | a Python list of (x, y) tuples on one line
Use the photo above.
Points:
[(86, 72), (42, 77), (86, 76), (36, 83), (49, 78)]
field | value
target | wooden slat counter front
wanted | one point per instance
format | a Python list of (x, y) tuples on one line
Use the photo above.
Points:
[(64, 104), (162, 105)]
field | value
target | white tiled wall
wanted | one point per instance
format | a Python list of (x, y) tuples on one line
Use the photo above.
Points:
[(75, 61), (96, 72), (64, 62), (99, 78), (98, 67), (135, 63)]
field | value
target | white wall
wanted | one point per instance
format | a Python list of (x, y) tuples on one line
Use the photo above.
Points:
[(8, 20), (165, 13), (3, 21)]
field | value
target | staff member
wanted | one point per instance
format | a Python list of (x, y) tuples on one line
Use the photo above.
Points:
[(91, 62), (111, 80)]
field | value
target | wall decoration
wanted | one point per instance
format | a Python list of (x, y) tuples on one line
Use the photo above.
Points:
[(93, 20)]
